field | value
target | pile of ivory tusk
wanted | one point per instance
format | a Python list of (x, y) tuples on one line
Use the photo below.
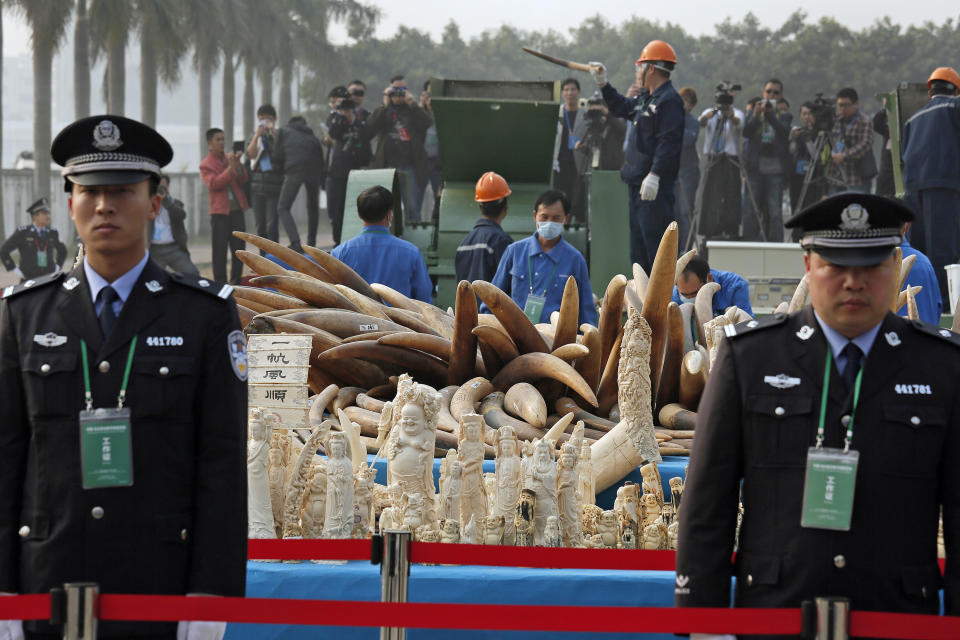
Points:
[(536, 378)]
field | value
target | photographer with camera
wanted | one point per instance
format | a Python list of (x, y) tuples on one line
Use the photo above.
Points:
[(807, 152), (266, 172), (600, 143), (350, 148), (767, 132), (853, 165), (718, 198), (400, 126)]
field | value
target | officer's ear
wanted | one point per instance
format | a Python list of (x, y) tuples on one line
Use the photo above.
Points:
[(806, 261)]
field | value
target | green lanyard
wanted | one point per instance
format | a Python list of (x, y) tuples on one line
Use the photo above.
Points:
[(848, 437), (88, 395), (530, 269)]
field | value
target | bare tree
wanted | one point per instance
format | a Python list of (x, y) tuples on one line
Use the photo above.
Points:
[(81, 62)]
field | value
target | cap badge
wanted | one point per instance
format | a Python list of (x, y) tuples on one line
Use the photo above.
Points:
[(106, 136), (153, 286), (854, 218), (805, 332), (71, 284)]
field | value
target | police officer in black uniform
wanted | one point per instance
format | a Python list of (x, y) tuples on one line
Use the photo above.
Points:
[(149, 498), (842, 421), (41, 251)]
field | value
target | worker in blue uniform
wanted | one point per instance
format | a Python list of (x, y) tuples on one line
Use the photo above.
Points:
[(734, 290), (534, 271), (931, 172), (652, 164), (929, 301), (479, 253), (379, 256)]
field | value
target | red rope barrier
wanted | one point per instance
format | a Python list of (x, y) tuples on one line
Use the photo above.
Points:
[(542, 557), (350, 549), (450, 615), (871, 624), (35, 606)]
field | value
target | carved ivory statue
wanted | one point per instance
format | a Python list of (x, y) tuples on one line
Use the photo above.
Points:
[(470, 534), (608, 529), (652, 483), (493, 529), (576, 437), (524, 518), (277, 473), (392, 515), (567, 502), (473, 496), (450, 533), (586, 485), (650, 509), (314, 509), (590, 519), (676, 494), (413, 512), (627, 504), (444, 473), (259, 507), (654, 537), (490, 490), (509, 480), (363, 498), (338, 522), (412, 440), (673, 533), (450, 491), (551, 533), (540, 476)]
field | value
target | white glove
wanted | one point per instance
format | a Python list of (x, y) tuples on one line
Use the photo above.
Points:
[(650, 187), (710, 636), (10, 629), (200, 630), (17, 271), (599, 73)]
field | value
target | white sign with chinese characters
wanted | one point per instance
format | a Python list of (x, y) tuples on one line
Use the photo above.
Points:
[(277, 378)]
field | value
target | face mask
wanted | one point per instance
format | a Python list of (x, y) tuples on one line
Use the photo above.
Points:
[(686, 299), (549, 230)]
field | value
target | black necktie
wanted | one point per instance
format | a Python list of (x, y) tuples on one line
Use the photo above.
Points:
[(854, 356), (107, 316)]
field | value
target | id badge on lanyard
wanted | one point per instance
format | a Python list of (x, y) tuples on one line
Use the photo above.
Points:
[(41, 253), (533, 307), (831, 475), (106, 447)]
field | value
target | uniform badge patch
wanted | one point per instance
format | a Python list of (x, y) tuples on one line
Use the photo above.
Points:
[(203, 282), (892, 338), (781, 381), (944, 332), (106, 136), (237, 348), (682, 582), (753, 324), (71, 284), (29, 283), (805, 332), (49, 339), (153, 286)]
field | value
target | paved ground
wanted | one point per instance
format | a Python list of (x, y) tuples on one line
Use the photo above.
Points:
[(200, 253)]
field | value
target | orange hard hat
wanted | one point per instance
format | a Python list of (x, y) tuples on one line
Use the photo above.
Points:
[(491, 186), (945, 74), (657, 51)]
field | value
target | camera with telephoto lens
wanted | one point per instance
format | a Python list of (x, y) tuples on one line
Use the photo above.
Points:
[(397, 91), (823, 113), (724, 95), (594, 115)]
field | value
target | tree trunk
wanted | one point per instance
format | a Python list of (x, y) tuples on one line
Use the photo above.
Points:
[(229, 96), (81, 63), (249, 109), (42, 73), (148, 79), (266, 84), (285, 108), (204, 73), (116, 60)]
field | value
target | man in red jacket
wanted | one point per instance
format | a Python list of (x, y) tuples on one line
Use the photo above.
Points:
[(224, 176)]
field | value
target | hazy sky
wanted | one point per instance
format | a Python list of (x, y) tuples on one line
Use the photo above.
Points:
[(696, 16)]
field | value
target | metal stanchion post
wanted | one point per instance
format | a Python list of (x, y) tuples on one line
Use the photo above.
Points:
[(395, 575), (81, 619), (826, 619)]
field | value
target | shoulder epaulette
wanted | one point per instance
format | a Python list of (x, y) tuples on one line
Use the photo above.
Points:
[(31, 284), (751, 326), (216, 289), (24, 227), (939, 332)]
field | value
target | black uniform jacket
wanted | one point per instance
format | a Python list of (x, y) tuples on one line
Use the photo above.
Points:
[(29, 243), (182, 526), (756, 425)]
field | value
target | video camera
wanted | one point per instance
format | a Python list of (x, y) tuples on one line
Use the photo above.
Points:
[(724, 95), (594, 117), (397, 91), (823, 113)]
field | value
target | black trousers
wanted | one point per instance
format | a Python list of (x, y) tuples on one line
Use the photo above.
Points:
[(221, 237), (265, 212), (288, 193), (336, 201)]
